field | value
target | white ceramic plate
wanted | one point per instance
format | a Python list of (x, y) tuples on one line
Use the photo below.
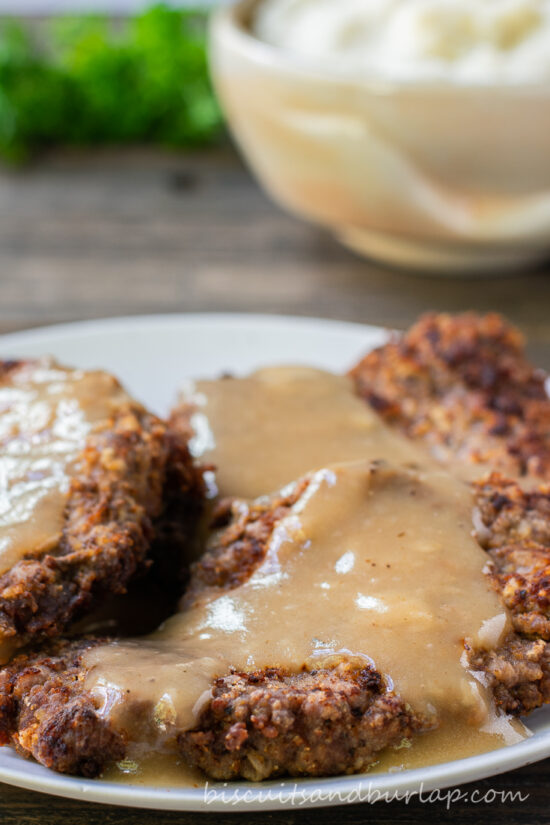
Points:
[(153, 356)]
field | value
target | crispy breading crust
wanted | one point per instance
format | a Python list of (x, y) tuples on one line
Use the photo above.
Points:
[(132, 474), (463, 385), (107, 532), (56, 721), (515, 530), (239, 544), (308, 724), (518, 673)]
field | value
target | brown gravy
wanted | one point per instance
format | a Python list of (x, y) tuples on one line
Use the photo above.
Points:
[(456, 740), (375, 562), (274, 426), (46, 414)]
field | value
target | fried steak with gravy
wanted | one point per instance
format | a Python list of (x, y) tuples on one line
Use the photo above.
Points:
[(129, 486), (461, 385)]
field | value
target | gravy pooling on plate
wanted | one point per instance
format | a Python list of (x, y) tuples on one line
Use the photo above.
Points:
[(375, 562)]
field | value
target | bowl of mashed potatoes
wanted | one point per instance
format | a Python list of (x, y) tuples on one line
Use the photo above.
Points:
[(417, 131)]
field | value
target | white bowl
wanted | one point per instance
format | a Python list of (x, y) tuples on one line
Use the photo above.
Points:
[(447, 176)]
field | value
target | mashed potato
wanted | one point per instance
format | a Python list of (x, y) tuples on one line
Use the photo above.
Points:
[(473, 41)]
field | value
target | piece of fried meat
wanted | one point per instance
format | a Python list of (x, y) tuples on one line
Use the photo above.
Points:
[(90, 480), (463, 386)]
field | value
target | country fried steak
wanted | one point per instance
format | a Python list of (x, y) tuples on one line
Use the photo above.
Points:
[(256, 725), (462, 386), (126, 481), (45, 713)]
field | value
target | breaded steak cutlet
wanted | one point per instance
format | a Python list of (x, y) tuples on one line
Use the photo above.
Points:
[(122, 470), (266, 723), (45, 713), (256, 725), (462, 385), (335, 720)]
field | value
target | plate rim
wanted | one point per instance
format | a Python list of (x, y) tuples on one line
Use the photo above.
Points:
[(65, 328), (444, 775)]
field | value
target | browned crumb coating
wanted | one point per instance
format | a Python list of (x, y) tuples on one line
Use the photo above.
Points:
[(463, 385), (240, 541), (518, 673), (46, 714), (106, 535), (515, 530), (314, 723), (133, 483)]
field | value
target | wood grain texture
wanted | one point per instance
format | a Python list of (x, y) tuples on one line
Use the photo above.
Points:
[(113, 233)]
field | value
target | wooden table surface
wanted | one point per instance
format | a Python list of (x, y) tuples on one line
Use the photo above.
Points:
[(88, 236)]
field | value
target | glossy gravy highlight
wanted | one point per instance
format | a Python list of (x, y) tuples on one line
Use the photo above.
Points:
[(46, 414), (375, 563)]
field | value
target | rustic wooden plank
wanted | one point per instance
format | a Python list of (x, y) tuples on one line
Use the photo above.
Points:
[(115, 233)]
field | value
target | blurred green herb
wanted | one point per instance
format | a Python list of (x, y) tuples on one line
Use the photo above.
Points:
[(90, 80)]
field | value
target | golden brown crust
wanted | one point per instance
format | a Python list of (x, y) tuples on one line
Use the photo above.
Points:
[(308, 724), (514, 527), (518, 673), (133, 480), (238, 546), (45, 713), (462, 384), (114, 496)]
